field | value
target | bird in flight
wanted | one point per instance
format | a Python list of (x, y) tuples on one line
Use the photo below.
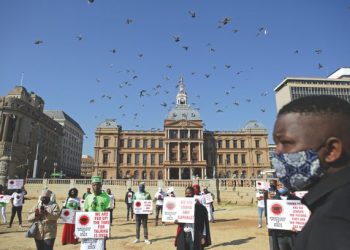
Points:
[(192, 13), (318, 51), (91, 1), (176, 39), (79, 37), (142, 93), (37, 42), (129, 21), (225, 21), (113, 51), (320, 66)]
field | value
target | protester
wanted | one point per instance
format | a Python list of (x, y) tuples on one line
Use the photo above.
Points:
[(312, 136), (112, 206), (194, 236), (198, 193), (159, 197), (170, 192), (98, 201), (45, 214), (72, 203), (17, 200), (142, 218), (88, 191), (129, 205), (261, 206), (3, 208), (209, 205)]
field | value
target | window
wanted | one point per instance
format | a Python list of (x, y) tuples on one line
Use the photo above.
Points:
[(194, 134), (257, 143), (242, 143), (153, 159), (105, 143), (144, 159), (228, 159), (234, 143), (183, 134), (219, 143), (137, 143), (129, 143), (121, 158), (105, 158), (258, 158), (220, 159), (160, 143), (145, 142), (161, 159), (243, 158), (153, 143), (172, 134), (121, 143), (227, 143), (137, 159), (235, 158), (128, 159)]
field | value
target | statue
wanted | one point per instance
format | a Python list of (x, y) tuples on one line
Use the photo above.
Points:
[(4, 166)]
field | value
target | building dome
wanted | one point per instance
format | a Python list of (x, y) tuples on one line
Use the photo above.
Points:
[(253, 124), (108, 123), (183, 112)]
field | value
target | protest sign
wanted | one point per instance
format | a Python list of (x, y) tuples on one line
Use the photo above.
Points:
[(180, 209), (143, 206), (15, 184), (92, 244), (82, 203), (262, 185), (90, 225), (208, 198), (208, 207), (5, 198), (67, 216), (286, 214), (300, 194)]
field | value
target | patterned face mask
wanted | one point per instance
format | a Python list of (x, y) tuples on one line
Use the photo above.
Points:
[(299, 170)]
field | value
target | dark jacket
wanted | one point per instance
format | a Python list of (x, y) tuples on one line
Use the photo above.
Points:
[(200, 220), (329, 224), (126, 196)]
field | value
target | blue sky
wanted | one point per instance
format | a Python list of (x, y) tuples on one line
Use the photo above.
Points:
[(68, 73)]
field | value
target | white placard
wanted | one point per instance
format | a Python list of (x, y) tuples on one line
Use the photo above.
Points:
[(92, 225), (178, 208), (300, 194), (286, 214), (5, 198), (15, 184), (68, 216), (92, 244), (208, 198), (262, 185), (143, 206), (208, 207), (82, 203)]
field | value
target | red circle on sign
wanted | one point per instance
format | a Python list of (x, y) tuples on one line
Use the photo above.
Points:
[(170, 205), (276, 209), (84, 220), (66, 213), (129, 195), (138, 204), (12, 182), (1, 196)]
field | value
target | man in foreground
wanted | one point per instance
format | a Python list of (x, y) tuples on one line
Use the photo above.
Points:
[(312, 136)]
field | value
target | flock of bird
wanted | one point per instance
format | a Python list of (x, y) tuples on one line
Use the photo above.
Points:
[(163, 89)]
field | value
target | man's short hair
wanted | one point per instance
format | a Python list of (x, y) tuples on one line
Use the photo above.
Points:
[(190, 188), (320, 104)]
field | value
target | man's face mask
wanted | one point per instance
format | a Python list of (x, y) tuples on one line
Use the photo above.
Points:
[(299, 170)]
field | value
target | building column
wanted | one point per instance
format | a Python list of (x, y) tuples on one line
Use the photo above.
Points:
[(16, 130), (166, 152), (202, 173), (2, 121), (189, 152), (178, 151), (4, 135), (179, 173), (205, 172), (191, 173), (199, 151), (168, 175)]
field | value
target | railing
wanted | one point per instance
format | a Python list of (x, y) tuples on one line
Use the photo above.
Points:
[(119, 182), (58, 181), (82, 182), (34, 181), (238, 182), (148, 183), (178, 183)]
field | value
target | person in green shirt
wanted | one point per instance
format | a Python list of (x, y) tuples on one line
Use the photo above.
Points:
[(141, 218)]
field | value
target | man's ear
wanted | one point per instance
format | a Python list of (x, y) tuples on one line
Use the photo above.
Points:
[(334, 149)]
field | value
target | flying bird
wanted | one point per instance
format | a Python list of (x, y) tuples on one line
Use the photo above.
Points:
[(113, 51), (79, 37), (176, 39), (320, 66), (92, 101), (192, 13), (185, 47), (235, 30), (142, 93), (227, 66), (263, 110), (219, 111), (164, 104), (37, 42), (225, 21), (207, 75), (262, 31), (91, 1), (318, 51), (129, 21)]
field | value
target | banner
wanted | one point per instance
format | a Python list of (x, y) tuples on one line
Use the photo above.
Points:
[(5, 198), (262, 185), (92, 225), (15, 184), (143, 206), (286, 214), (68, 216), (178, 208)]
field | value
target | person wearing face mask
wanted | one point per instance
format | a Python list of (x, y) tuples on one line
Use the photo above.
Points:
[(142, 218), (312, 136), (17, 200), (128, 201), (194, 236), (45, 214), (159, 198)]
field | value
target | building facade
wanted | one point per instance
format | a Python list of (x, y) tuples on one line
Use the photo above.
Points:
[(291, 88), (183, 150), (87, 166), (27, 135), (72, 144)]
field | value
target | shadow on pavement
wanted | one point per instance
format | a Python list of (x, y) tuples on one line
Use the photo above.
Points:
[(232, 243)]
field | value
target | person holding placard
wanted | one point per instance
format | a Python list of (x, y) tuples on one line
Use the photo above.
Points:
[(159, 197), (128, 201), (45, 214), (72, 203), (17, 200), (3, 208), (209, 203), (141, 218), (98, 201), (194, 236), (312, 137), (112, 206), (261, 206)]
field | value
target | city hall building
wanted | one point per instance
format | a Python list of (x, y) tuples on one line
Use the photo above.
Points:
[(182, 150)]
